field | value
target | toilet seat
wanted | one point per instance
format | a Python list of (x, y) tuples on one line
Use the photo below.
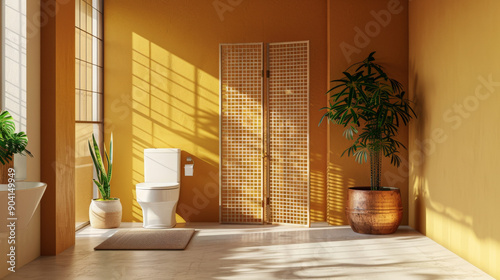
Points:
[(157, 186)]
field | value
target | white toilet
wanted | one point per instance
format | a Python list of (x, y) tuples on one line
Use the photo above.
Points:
[(159, 194)]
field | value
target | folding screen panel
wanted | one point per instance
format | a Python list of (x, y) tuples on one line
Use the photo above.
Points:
[(264, 144), (288, 97), (241, 143)]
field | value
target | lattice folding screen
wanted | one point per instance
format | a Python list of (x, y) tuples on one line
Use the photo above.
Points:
[(288, 95), (241, 133), (248, 175)]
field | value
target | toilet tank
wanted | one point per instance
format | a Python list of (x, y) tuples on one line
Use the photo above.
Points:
[(162, 165)]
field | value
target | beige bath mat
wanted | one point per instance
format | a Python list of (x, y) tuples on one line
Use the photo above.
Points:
[(148, 239)]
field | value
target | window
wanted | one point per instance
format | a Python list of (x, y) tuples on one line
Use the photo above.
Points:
[(89, 60), (88, 99)]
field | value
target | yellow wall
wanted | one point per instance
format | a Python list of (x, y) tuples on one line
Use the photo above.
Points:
[(356, 28), (162, 88), (454, 154)]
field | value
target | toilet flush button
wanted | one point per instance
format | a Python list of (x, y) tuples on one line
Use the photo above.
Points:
[(188, 169)]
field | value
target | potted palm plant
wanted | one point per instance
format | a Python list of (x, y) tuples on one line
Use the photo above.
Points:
[(371, 106), (104, 212), (11, 142)]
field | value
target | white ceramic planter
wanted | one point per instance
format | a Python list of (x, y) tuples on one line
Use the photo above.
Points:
[(105, 213)]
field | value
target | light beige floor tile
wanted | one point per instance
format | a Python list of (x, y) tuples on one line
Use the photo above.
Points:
[(260, 252)]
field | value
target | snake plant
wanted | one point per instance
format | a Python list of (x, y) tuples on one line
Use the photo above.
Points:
[(104, 178), (370, 106), (11, 142)]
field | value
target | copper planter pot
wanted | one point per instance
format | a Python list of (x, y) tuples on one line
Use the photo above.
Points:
[(374, 212)]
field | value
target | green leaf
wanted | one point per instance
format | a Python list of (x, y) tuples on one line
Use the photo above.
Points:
[(366, 97), (98, 156), (321, 120), (361, 156), (94, 160), (11, 142), (349, 132), (110, 159), (100, 188)]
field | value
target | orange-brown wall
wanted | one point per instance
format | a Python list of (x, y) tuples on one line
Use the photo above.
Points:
[(57, 158), (162, 87), (357, 28), (454, 154)]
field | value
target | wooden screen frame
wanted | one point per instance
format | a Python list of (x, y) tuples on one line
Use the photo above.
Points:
[(304, 45), (265, 129), (260, 207)]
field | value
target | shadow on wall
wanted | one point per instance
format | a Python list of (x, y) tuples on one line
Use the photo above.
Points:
[(416, 182), (174, 105), (436, 193), (419, 184)]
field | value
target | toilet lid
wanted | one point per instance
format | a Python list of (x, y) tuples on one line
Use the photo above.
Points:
[(156, 186)]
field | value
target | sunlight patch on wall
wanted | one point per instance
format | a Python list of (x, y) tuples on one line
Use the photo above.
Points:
[(336, 191), (451, 227), (459, 234), (208, 92), (317, 193), (174, 106)]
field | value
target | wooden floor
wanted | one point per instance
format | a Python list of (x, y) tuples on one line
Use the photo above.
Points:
[(260, 252)]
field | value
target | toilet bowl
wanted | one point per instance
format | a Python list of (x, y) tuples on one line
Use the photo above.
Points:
[(159, 194)]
